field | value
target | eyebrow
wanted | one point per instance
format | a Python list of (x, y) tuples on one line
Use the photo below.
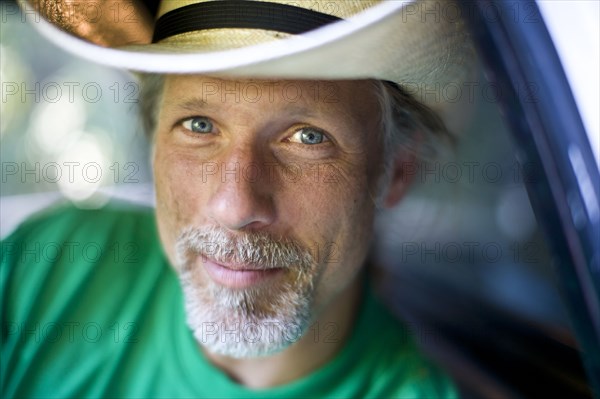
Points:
[(193, 104)]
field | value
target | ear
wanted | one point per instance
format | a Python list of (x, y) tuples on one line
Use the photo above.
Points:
[(404, 170)]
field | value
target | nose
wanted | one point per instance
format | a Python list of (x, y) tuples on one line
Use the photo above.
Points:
[(241, 196)]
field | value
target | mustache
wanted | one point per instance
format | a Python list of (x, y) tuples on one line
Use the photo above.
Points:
[(259, 249)]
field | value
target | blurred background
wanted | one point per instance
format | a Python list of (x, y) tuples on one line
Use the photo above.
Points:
[(469, 268), (69, 128)]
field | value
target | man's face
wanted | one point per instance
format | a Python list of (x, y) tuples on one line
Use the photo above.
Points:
[(264, 202)]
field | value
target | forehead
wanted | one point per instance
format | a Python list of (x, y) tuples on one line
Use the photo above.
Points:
[(350, 97)]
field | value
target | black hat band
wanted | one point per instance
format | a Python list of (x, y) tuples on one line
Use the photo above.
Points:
[(239, 14)]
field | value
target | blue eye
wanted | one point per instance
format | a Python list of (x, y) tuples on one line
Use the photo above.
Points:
[(198, 124), (309, 136)]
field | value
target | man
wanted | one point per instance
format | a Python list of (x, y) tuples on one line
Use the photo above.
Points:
[(251, 278)]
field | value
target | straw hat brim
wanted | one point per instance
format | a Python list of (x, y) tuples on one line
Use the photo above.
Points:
[(420, 52)]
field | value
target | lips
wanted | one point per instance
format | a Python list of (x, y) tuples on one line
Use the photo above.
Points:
[(238, 276)]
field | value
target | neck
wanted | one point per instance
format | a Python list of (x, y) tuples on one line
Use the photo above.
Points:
[(321, 342)]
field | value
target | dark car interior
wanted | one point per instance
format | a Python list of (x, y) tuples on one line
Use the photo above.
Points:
[(525, 325)]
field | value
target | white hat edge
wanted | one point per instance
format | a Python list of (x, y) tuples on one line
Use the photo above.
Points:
[(214, 62)]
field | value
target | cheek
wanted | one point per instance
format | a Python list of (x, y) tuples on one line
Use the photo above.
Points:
[(334, 215), (177, 193)]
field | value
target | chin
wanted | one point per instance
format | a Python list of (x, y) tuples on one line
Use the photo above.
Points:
[(250, 322)]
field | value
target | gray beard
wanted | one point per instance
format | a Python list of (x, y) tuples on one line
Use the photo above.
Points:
[(251, 322)]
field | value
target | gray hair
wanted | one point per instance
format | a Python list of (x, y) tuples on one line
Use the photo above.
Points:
[(409, 128), (151, 88)]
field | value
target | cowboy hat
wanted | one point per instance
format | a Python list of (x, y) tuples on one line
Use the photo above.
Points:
[(421, 45)]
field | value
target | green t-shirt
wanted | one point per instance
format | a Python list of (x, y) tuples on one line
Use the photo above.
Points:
[(91, 308)]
